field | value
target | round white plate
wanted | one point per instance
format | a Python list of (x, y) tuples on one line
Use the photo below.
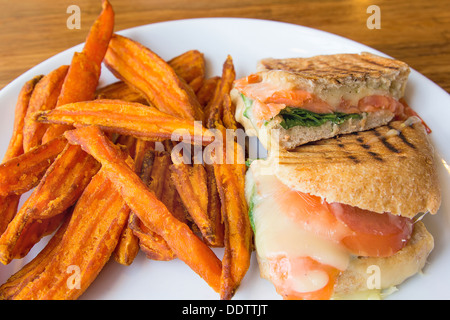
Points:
[(247, 41)]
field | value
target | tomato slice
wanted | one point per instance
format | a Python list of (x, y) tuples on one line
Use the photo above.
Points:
[(287, 273), (375, 234)]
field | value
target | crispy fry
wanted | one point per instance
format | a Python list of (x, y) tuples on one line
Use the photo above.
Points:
[(206, 92), (129, 142), (34, 232), (91, 236), (120, 91), (171, 198), (32, 269), (228, 119), (214, 205), (8, 209), (191, 184), (79, 85), (128, 246), (213, 111), (9, 204), (154, 174), (153, 245), (44, 97), (61, 186), (84, 71), (152, 212), (191, 67), (145, 71), (15, 146), (238, 234), (22, 173), (160, 173), (126, 118), (100, 34)]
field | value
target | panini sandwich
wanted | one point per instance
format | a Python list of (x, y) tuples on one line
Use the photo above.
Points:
[(328, 213), (308, 99)]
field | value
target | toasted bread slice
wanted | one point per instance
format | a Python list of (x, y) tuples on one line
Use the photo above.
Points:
[(330, 72), (387, 169)]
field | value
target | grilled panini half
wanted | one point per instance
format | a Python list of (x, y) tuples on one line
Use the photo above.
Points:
[(298, 100), (328, 214)]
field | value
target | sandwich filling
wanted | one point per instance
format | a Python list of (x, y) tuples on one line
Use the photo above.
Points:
[(265, 100), (306, 242)]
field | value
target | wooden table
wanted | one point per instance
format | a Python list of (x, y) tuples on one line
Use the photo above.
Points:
[(415, 31)]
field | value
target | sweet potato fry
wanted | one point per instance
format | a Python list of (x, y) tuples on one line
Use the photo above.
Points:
[(100, 34), (206, 92), (152, 212), (120, 91), (91, 236), (84, 71), (191, 67), (154, 174), (129, 142), (22, 173), (44, 97), (145, 71), (191, 184), (15, 146), (238, 234), (8, 209), (214, 205), (79, 85), (128, 246), (228, 118), (9, 204), (32, 269), (213, 111), (59, 189), (127, 118), (196, 84), (153, 245)]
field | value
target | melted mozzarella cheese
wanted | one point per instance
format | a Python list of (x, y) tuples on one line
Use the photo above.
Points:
[(278, 233)]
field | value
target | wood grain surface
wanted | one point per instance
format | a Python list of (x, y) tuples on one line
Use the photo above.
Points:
[(415, 31)]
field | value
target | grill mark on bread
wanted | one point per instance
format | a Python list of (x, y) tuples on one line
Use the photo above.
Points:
[(384, 141), (353, 158), (378, 64), (376, 156), (402, 137), (365, 146), (405, 140)]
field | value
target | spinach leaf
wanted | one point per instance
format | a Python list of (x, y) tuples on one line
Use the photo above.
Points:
[(300, 117), (248, 105)]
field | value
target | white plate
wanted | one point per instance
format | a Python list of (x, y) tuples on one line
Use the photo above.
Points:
[(247, 41)]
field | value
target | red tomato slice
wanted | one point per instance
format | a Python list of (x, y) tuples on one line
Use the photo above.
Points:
[(284, 281), (375, 234)]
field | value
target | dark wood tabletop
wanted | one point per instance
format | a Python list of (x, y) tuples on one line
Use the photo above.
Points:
[(415, 31)]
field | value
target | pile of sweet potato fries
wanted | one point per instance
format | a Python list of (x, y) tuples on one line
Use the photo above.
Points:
[(100, 186)]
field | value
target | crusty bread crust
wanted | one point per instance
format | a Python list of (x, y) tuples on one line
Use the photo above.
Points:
[(393, 270), (387, 169), (326, 72)]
